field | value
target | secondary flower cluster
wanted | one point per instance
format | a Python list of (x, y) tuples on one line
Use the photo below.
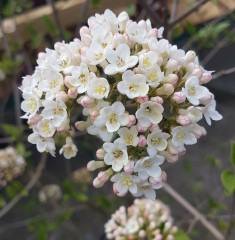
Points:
[(11, 165), (145, 219), (142, 96)]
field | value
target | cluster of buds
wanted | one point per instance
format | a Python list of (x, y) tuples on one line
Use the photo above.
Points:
[(50, 193), (142, 96), (145, 219), (11, 165)]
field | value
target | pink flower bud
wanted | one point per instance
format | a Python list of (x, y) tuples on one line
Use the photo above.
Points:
[(197, 72), (100, 153), (206, 77), (72, 93), (115, 189), (94, 114), (171, 78), (183, 120), (86, 102), (93, 165), (190, 56), (140, 128), (97, 183), (62, 96), (142, 141), (158, 237), (34, 119), (81, 125), (178, 97), (156, 182), (153, 127), (171, 65), (129, 168), (142, 24), (153, 33), (142, 99), (198, 131), (207, 99), (167, 89), (142, 233), (169, 157), (132, 121), (158, 100), (170, 237), (182, 151)]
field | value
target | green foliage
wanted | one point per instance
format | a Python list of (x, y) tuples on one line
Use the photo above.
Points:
[(15, 188), (131, 10), (103, 202), (213, 161), (10, 65), (50, 26), (35, 37), (12, 131), (95, 2), (2, 202), (228, 176), (181, 235), (215, 207)]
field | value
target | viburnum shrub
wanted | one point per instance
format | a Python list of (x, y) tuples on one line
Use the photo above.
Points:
[(142, 96)]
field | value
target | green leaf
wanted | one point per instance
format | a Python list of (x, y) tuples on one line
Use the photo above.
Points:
[(2, 202), (181, 235), (95, 2), (12, 131), (50, 25), (191, 28), (228, 181), (131, 10), (232, 154)]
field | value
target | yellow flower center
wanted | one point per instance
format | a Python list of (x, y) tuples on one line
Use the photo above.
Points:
[(127, 181)]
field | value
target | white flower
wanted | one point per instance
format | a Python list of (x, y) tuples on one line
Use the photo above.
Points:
[(194, 91), (147, 190), (52, 83), (116, 155), (99, 88), (43, 144), (69, 150), (148, 60), (149, 167), (132, 225), (100, 131), (119, 59), (149, 113), (209, 112), (54, 111), (193, 113), (80, 77), (154, 76), (129, 136), (135, 32), (113, 117), (124, 182), (182, 135), (157, 141), (95, 54), (30, 105), (133, 85), (112, 20), (46, 128)]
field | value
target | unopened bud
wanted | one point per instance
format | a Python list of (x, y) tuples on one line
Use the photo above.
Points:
[(178, 97), (142, 141), (171, 78), (153, 127), (207, 99), (72, 93), (171, 65), (167, 89), (93, 165), (197, 72), (94, 114), (158, 100), (183, 120), (105, 175), (129, 168), (132, 121), (84, 30), (153, 33), (142, 99), (34, 119), (86, 102), (100, 153), (141, 128), (97, 183), (206, 77), (190, 56), (169, 157), (62, 96)]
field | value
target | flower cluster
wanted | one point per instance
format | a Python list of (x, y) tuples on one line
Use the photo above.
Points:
[(141, 95), (145, 219), (11, 165)]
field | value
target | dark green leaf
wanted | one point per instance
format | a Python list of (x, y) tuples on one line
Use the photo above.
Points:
[(2, 202), (228, 180), (12, 131), (95, 2), (181, 235)]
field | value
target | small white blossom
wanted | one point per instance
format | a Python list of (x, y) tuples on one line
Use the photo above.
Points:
[(119, 60), (113, 117), (69, 150), (135, 32), (129, 136), (116, 155), (145, 189), (99, 88), (149, 167), (157, 141), (100, 131), (30, 105), (194, 91), (149, 113), (133, 85), (210, 113), (148, 60), (46, 128), (125, 182)]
